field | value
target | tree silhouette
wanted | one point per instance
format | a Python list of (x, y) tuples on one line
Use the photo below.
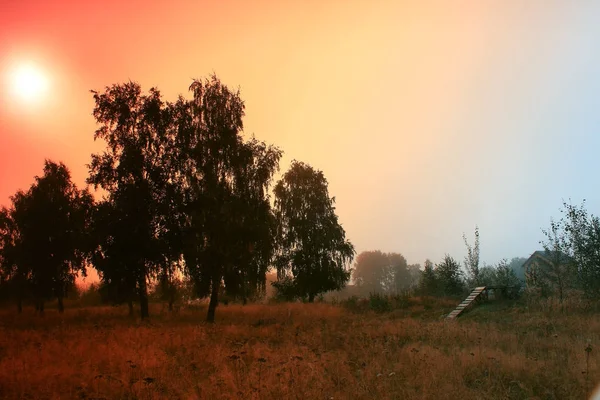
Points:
[(228, 228), (312, 245), (574, 242), (472, 259), (252, 221), (135, 173), (428, 284), (449, 277), (400, 275), (378, 272), (111, 256), (43, 236), (371, 271), (13, 265)]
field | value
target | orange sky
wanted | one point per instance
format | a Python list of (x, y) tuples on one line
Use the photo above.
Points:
[(422, 114)]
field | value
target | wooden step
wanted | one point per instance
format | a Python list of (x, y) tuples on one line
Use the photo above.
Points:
[(466, 302)]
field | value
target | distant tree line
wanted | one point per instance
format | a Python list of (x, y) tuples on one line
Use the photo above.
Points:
[(184, 194), (376, 272)]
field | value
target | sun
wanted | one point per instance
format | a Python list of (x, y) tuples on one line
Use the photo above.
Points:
[(28, 82)]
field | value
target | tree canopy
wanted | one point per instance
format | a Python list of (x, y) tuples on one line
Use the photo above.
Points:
[(44, 244), (312, 245), (182, 194), (378, 272)]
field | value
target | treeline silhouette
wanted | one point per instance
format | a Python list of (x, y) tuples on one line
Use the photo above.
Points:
[(184, 194)]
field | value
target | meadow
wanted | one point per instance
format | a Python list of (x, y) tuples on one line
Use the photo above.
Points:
[(499, 350)]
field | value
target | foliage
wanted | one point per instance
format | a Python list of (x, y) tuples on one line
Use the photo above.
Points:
[(111, 257), (134, 171), (499, 275), (516, 264), (559, 272), (170, 289), (371, 271), (449, 277), (580, 241), (572, 255), (312, 245), (378, 272), (285, 289), (414, 275), (487, 275), (472, 260), (90, 296), (379, 302), (506, 277), (228, 227), (44, 244), (428, 285)]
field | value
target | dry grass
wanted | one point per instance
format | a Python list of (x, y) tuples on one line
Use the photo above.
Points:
[(297, 351)]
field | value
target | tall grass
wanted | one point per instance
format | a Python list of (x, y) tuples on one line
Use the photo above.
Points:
[(299, 351)]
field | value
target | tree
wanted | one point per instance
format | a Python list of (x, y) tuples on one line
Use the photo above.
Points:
[(285, 289), (134, 171), (428, 284), (487, 275), (111, 256), (312, 245), (472, 259), (229, 227), (252, 222), (516, 264), (506, 278), (559, 273), (14, 269), (449, 276), (372, 271), (59, 215), (43, 236), (415, 272), (582, 233), (401, 278)]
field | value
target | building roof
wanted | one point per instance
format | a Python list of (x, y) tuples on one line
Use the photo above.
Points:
[(548, 256)]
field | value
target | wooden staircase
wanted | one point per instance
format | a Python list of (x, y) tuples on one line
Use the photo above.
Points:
[(467, 302)]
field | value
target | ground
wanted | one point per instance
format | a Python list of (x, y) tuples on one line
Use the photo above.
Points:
[(300, 351)]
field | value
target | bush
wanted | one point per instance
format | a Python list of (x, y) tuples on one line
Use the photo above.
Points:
[(285, 290), (401, 300), (90, 296), (353, 303), (379, 303)]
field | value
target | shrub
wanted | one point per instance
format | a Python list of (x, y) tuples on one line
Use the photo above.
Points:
[(401, 300), (353, 303), (379, 303), (285, 290), (90, 296)]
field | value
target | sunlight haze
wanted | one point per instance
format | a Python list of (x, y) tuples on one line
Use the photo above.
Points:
[(427, 117)]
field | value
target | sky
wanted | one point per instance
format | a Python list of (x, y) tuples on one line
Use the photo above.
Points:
[(427, 117)]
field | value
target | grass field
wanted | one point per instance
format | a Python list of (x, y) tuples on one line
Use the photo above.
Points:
[(299, 351)]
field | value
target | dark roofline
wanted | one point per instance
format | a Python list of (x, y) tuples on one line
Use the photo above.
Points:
[(543, 254)]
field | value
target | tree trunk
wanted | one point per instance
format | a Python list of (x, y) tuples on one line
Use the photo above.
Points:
[(19, 305), (143, 295), (41, 305), (130, 304), (214, 300), (311, 298), (61, 306), (171, 305)]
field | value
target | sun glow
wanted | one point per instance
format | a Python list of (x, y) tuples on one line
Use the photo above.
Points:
[(28, 82)]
